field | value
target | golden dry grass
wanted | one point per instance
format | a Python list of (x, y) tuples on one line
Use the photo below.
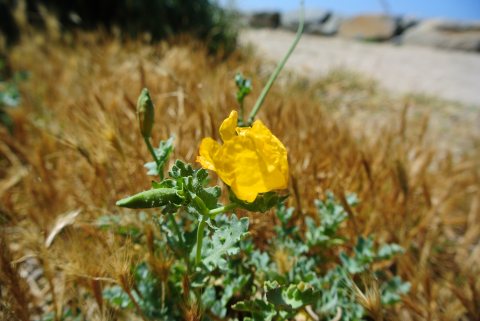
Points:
[(76, 147)]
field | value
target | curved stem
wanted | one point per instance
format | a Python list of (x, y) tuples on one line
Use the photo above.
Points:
[(220, 210), (151, 150), (241, 114), (279, 68), (201, 228)]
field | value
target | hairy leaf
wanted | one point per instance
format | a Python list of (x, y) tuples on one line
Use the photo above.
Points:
[(224, 242), (163, 152), (291, 297)]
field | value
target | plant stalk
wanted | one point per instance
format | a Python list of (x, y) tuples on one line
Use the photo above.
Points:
[(220, 210), (241, 114), (151, 150), (279, 68), (201, 228)]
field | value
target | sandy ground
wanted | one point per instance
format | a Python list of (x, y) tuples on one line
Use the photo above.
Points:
[(444, 74)]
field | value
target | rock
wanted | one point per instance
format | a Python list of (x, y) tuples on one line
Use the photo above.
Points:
[(444, 34), (369, 27), (328, 28), (265, 20), (404, 23), (317, 21)]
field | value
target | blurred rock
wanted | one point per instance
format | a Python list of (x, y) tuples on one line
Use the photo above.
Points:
[(329, 27), (316, 21), (445, 34), (368, 27), (265, 20), (404, 23)]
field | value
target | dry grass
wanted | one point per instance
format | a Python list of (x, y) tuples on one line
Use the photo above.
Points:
[(76, 146)]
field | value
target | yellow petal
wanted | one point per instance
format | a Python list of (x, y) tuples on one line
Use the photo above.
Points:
[(227, 128), (245, 176), (208, 149), (251, 160), (273, 153)]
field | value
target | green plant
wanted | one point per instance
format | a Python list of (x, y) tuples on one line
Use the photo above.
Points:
[(214, 270), (233, 279), (9, 95)]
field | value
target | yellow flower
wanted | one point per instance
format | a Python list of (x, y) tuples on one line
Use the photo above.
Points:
[(251, 160)]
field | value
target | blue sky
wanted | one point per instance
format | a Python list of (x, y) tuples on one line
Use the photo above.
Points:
[(453, 9)]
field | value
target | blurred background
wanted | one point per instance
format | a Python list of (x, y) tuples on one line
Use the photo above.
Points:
[(458, 10), (399, 43)]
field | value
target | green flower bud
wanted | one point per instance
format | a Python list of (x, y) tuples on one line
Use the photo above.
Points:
[(145, 113), (152, 198)]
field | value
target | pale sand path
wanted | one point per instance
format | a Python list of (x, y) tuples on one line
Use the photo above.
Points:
[(450, 75)]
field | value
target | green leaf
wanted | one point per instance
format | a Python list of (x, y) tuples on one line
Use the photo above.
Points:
[(199, 198), (284, 214), (10, 95), (224, 242), (331, 216), (387, 251), (163, 153), (260, 260), (262, 203), (244, 87), (180, 170), (116, 296), (364, 255), (260, 310), (166, 183), (234, 285), (291, 297), (393, 290), (196, 185)]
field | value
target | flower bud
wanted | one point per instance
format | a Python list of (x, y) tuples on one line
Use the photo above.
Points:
[(145, 113), (152, 198)]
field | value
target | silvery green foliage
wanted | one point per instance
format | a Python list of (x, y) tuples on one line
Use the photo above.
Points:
[(244, 283), (234, 279), (224, 242), (185, 188), (163, 153)]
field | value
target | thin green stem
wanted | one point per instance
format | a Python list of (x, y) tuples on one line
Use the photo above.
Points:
[(220, 210), (279, 68), (151, 150), (241, 114), (201, 228)]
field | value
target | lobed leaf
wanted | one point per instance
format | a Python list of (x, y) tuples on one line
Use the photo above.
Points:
[(224, 242)]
